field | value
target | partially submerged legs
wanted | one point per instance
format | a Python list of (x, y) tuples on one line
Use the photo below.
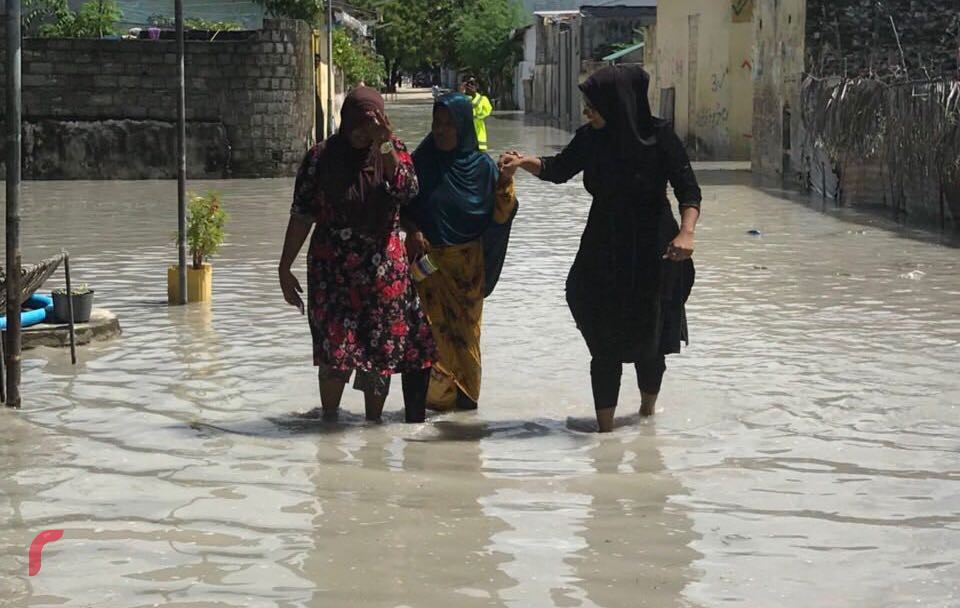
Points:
[(605, 380)]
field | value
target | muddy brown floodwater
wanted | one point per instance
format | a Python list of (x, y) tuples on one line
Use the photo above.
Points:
[(805, 454)]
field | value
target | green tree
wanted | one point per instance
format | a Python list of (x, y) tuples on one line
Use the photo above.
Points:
[(400, 37), (357, 61), (416, 34), (94, 20), (310, 11), (37, 13), (484, 42)]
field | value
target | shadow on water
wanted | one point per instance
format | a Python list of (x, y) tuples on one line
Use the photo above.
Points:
[(440, 426), (877, 217)]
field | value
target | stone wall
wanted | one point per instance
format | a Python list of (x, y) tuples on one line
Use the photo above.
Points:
[(834, 38), (853, 38), (805, 49), (106, 109)]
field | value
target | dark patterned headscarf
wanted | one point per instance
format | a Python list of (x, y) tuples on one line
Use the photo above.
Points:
[(352, 178)]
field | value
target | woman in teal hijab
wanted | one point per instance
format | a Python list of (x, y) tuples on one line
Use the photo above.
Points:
[(458, 224)]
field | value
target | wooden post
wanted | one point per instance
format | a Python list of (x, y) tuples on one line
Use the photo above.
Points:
[(73, 340), (3, 374), (14, 143), (181, 155)]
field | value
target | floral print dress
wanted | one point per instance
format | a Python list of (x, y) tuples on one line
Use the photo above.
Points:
[(363, 309)]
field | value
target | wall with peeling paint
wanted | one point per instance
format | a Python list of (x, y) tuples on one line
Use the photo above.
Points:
[(705, 56), (779, 29)]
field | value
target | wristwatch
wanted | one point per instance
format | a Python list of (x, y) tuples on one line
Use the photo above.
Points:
[(386, 147)]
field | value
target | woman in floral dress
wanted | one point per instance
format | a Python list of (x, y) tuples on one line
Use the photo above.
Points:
[(364, 313)]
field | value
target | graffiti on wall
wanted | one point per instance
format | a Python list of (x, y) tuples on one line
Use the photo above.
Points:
[(719, 80), (713, 117), (742, 10)]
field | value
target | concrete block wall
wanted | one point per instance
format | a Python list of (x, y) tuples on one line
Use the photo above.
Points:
[(250, 105)]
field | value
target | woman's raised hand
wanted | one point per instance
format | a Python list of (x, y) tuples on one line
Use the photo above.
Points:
[(380, 128), (509, 162)]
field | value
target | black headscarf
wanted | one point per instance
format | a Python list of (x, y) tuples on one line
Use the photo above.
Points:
[(619, 93)]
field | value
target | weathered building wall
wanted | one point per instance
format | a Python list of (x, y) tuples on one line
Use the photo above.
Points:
[(704, 61), (523, 73), (557, 70), (106, 108), (777, 74), (565, 45)]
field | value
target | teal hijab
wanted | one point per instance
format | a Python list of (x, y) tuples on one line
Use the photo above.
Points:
[(457, 188)]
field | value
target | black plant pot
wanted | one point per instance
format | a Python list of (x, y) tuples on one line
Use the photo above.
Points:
[(82, 307)]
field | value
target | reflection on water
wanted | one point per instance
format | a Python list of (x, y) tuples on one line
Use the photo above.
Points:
[(806, 451)]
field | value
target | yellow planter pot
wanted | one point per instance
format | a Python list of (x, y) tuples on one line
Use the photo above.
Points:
[(199, 284)]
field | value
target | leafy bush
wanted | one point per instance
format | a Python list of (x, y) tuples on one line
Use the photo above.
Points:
[(359, 63), (37, 13), (75, 290), (211, 26), (310, 11), (95, 19), (205, 223)]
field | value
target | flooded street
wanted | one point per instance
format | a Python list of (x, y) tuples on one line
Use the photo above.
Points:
[(806, 452)]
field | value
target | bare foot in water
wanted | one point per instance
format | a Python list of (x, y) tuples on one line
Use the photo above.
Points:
[(648, 404), (605, 420), (318, 413)]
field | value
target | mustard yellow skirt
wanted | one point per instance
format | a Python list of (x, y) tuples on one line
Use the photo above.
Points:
[(452, 298)]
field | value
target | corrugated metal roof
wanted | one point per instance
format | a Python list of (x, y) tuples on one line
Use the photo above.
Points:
[(626, 3), (624, 52)]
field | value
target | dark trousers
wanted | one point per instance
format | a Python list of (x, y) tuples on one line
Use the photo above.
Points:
[(415, 386), (605, 377)]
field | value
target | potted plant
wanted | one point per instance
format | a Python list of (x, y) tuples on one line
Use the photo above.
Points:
[(205, 221), (82, 297)]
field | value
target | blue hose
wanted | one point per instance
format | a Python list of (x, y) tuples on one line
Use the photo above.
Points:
[(40, 307)]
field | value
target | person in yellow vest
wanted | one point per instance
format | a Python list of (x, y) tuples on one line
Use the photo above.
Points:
[(481, 109)]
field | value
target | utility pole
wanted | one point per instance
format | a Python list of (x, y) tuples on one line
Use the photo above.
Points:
[(14, 147), (331, 120), (181, 155)]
